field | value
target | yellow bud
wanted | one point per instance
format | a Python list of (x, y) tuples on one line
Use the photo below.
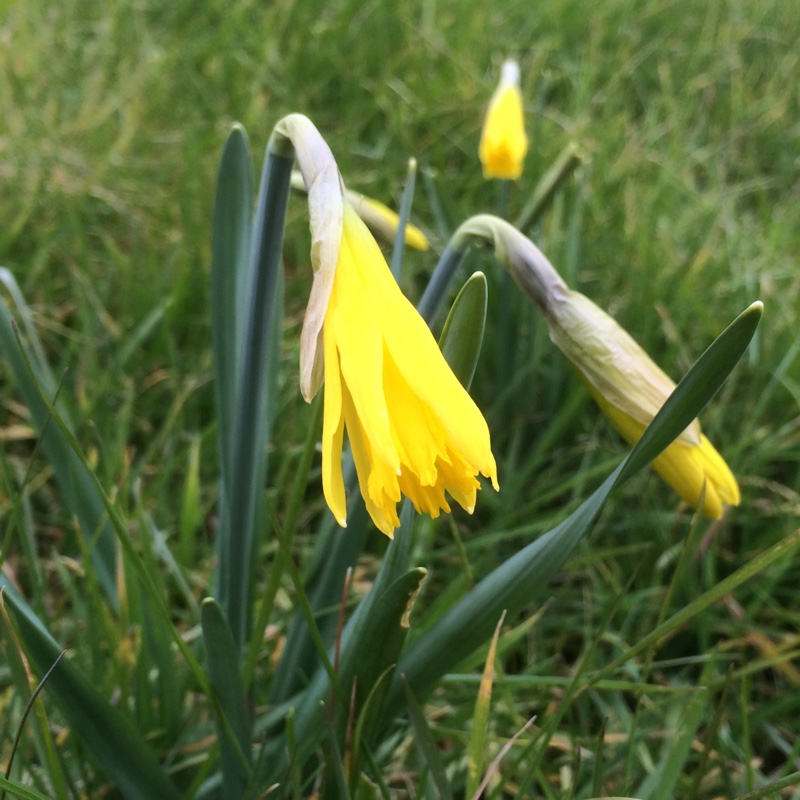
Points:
[(504, 143)]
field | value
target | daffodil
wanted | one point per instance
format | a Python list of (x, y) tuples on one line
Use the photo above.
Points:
[(503, 141), (413, 428), (624, 381)]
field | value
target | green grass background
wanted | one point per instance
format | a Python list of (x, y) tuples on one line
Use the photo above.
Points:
[(687, 208)]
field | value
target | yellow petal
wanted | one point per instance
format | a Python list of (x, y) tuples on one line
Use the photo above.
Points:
[(413, 429), (361, 352), (685, 467), (382, 512), (332, 434)]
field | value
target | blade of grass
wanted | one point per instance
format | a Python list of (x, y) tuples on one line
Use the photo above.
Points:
[(772, 789), (191, 509), (289, 663), (358, 637), (480, 718), (334, 553), (709, 736)]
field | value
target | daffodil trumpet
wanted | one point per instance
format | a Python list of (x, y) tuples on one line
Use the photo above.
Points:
[(504, 144), (413, 429), (623, 380)]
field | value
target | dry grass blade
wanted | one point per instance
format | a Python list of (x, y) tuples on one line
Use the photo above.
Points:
[(480, 717)]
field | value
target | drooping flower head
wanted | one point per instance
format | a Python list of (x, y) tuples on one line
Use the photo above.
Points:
[(413, 428), (503, 141), (624, 381)]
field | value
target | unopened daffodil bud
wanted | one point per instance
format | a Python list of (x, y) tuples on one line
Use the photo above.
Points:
[(624, 381), (503, 140), (413, 428)]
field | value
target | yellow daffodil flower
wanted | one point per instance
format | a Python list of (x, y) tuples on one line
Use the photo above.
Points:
[(624, 381), (503, 141), (413, 428)]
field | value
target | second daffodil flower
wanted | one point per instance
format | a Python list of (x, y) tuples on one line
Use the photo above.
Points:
[(624, 381), (413, 428), (503, 141)]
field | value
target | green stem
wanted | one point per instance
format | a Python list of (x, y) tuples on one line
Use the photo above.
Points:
[(436, 290), (402, 222), (569, 159)]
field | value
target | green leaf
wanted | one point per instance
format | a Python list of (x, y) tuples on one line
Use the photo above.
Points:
[(231, 244), (517, 582), (462, 335), (366, 789), (260, 301), (232, 719), (116, 745)]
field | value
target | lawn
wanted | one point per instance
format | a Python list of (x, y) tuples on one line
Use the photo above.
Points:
[(657, 654)]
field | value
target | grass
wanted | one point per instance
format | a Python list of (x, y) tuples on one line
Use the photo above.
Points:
[(684, 212)]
